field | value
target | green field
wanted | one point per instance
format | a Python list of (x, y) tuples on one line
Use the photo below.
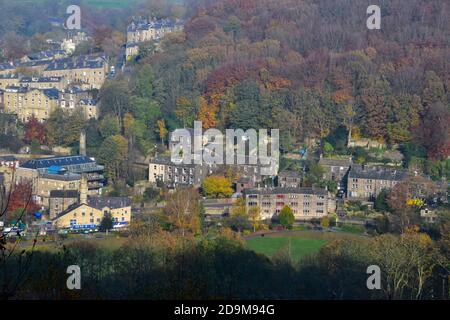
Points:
[(298, 247), (301, 243)]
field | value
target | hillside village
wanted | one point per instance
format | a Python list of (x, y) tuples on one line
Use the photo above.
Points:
[(33, 87), (87, 145)]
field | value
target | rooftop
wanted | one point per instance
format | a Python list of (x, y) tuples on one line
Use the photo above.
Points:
[(47, 54), (88, 102), (51, 93), (100, 203), (40, 79), (168, 161), (336, 162), (9, 76), (289, 173), (79, 62), (57, 161), (110, 202), (140, 23), (61, 177), (280, 190), (16, 89), (377, 173), (8, 158)]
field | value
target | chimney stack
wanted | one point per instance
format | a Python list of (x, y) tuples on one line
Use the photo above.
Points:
[(83, 143), (83, 189)]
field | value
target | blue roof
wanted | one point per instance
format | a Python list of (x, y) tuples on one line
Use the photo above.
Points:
[(56, 161), (54, 169), (51, 93)]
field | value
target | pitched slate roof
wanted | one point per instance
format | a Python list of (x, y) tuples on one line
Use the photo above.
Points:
[(40, 79), (8, 158), (47, 54), (56, 161), (99, 203), (88, 102), (110, 202), (79, 62), (289, 173), (281, 190), (335, 162), (377, 173), (51, 93), (61, 177), (9, 76), (16, 89), (8, 66)]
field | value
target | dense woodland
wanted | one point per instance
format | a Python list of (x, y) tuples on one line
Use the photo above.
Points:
[(310, 68)]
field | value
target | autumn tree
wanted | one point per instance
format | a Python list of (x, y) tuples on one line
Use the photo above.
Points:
[(114, 99), (34, 131), (64, 128), (183, 211), (162, 131), (374, 100), (325, 222), (207, 114), (217, 187), (185, 111), (109, 126), (21, 199), (254, 215), (407, 263), (286, 217), (433, 131), (434, 91), (112, 153), (406, 213), (238, 219)]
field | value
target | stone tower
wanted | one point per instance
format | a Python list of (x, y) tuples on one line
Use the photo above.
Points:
[(83, 189), (83, 143)]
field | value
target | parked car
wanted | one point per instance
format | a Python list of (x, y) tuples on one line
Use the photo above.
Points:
[(13, 232)]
